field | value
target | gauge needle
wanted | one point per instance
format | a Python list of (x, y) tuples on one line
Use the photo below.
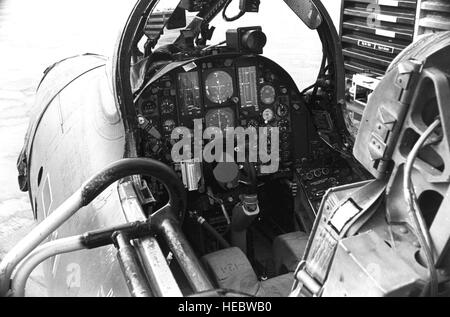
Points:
[(219, 90), (220, 122)]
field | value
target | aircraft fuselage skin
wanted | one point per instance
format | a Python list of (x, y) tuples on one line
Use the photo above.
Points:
[(79, 131)]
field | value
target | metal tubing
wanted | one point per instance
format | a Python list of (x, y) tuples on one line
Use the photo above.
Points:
[(418, 222), (160, 276), (35, 237), (161, 279), (39, 255), (83, 197), (131, 268), (185, 256)]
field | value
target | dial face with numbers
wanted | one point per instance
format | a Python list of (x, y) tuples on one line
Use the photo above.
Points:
[(149, 108), (282, 110), (268, 115), (169, 126), (220, 118), (167, 106), (219, 87), (268, 94)]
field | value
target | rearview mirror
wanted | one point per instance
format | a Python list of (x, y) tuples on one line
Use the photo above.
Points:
[(170, 19), (307, 11), (177, 19)]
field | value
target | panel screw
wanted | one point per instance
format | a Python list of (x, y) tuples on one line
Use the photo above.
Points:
[(443, 272)]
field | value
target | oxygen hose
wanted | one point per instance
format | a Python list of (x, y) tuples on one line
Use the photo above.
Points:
[(202, 221), (252, 178), (414, 210), (247, 211)]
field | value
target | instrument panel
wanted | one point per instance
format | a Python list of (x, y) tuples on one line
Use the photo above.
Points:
[(223, 92), (219, 86), (221, 118), (248, 87), (189, 94)]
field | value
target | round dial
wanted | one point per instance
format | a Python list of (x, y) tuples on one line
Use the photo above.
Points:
[(283, 125), (268, 115), (220, 118), (148, 108), (219, 87), (169, 126), (167, 106), (282, 110), (268, 94)]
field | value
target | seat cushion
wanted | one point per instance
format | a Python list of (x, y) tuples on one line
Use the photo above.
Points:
[(231, 270), (288, 250), (279, 286)]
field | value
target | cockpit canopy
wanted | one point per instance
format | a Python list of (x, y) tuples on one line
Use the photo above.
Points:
[(196, 26)]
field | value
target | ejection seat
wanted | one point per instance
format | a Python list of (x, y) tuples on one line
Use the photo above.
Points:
[(231, 269), (288, 250)]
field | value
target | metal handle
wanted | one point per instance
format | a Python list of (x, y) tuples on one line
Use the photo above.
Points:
[(84, 196)]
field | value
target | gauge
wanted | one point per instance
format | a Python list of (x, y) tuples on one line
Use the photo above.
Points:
[(282, 110), (283, 125), (268, 115), (148, 108), (219, 87), (169, 126), (248, 87), (167, 106), (268, 94), (220, 118), (189, 93)]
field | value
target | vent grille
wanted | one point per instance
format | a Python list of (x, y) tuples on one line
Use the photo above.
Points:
[(434, 16), (374, 32)]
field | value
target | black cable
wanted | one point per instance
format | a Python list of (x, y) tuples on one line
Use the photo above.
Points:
[(414, 210), (304, 91), (252, 177), (215, 234), (202, 221), (236, 17)]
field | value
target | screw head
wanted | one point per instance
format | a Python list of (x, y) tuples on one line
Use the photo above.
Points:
[(443, 272)]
